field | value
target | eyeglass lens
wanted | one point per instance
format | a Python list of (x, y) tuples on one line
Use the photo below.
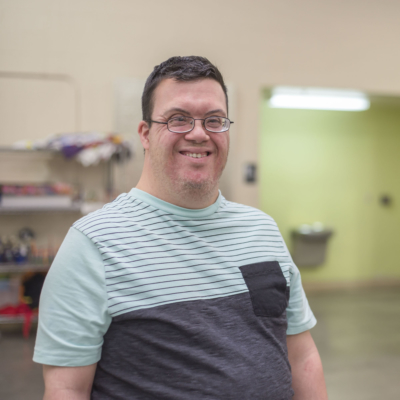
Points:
[(185, 124)]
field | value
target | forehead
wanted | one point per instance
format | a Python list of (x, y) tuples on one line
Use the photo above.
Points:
[(197, 96)]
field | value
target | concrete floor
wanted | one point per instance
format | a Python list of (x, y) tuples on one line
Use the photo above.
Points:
[(358, 335)]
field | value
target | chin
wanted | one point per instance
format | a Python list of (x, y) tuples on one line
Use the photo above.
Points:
[(202, 186), (198, 184), (191, 185)]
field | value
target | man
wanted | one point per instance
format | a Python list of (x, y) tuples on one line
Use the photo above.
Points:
[(170, 291)]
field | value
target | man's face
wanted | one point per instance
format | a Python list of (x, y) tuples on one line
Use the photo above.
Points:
[(171, 155)]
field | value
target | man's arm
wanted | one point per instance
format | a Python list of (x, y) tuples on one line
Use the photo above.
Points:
[(307, 373), (68, 383)]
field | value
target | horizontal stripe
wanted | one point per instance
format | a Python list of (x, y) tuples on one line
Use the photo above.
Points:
[(173, 280), (190, 254), (234, 268), (186, 267), (193, 248), (177, 231), (153, 289), (169, 226), (106, 248), (171, 294), (191, 235), (190, 298), (265, 253), (106, 216)]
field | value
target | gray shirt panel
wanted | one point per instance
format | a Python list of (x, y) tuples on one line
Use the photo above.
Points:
[(205, 349)]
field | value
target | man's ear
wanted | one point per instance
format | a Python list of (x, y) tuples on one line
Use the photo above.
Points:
[(144, 131)]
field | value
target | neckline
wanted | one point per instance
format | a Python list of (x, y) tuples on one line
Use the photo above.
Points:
[(173, 209)]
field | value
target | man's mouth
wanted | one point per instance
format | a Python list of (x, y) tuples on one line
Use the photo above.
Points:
[(195, 155)]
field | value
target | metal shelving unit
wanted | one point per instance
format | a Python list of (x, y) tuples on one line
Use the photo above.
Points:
[(75, 207), (17, 150), (11, 268), (15, 319), (25, 210)]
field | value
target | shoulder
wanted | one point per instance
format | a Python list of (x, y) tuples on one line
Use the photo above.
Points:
[(241, 210), (116, 213)]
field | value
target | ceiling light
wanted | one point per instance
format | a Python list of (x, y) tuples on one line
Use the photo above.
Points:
[(318, 99)]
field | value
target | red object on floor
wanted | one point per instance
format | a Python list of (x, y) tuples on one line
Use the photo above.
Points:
[(20, 310)]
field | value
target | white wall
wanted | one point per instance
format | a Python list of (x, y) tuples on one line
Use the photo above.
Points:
[(352, 43)]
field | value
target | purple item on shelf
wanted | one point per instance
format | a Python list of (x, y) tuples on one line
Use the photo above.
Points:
[(71, 151)]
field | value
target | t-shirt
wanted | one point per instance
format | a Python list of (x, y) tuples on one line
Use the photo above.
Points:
[(174, 303)]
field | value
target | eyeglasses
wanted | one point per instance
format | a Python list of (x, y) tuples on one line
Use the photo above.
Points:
[(186, 124)]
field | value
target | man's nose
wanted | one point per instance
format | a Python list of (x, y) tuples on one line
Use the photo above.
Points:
[(198, 134)]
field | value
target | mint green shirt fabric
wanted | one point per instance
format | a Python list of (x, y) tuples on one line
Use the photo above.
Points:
[(73, 311), (76, 309)]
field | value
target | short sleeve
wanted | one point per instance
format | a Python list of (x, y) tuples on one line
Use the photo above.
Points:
[(299, 315), (73, 312)]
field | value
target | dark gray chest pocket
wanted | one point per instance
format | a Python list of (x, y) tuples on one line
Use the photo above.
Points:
[(267, 286)]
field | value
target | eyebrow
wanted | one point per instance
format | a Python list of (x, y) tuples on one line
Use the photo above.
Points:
[(176, 109), (181, 110), (218, 110)]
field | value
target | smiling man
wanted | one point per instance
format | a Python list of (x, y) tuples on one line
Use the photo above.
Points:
[(186, 140), (171, 291)]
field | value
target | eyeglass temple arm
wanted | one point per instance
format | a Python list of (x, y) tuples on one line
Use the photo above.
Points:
[(158, 122)]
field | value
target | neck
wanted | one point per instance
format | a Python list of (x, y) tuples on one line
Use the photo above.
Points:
[(183, 195)]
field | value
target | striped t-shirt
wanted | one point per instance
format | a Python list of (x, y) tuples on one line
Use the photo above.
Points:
[(174, 303)]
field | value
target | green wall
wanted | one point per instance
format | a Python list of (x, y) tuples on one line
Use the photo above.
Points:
[(333, 166)]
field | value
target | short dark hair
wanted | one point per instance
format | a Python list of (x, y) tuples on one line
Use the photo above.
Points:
[(189, 68)]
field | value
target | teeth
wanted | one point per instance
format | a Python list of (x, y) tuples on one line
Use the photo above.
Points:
[(196, 155)]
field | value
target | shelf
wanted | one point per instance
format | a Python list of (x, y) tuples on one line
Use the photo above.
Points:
[(83, 208), (7, 268), (15, 319), (24, 210), (6, 149)]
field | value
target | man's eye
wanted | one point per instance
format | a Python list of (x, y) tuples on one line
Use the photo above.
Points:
[(180, 122), (214, 121), (179, 119)]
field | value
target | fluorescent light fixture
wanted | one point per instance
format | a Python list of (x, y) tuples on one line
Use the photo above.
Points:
[(318, 99)]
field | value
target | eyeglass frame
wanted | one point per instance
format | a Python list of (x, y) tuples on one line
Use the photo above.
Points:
[(194, 119)]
